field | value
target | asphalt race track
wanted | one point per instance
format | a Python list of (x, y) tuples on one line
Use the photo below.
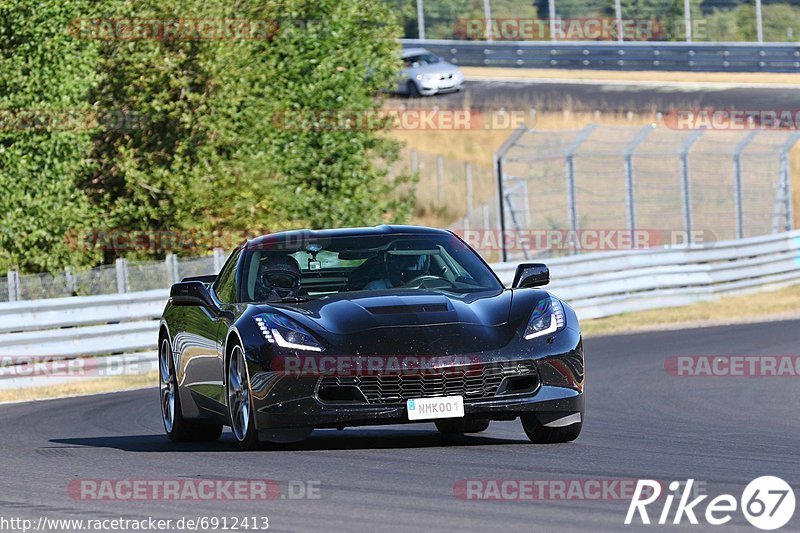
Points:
[(613, 97), (641, 423)]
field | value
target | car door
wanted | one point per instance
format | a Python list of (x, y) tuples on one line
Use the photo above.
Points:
[(204, 331)]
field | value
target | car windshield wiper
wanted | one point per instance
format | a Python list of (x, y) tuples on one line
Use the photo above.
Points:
[(288, 299)]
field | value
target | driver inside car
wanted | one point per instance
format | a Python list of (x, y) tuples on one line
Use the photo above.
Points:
[(399, 269), (278, 277)]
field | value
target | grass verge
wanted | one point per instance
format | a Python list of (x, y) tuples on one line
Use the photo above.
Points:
[(82, 387), (780, 304), (727, 78)]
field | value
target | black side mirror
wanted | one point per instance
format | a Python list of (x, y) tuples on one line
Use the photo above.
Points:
[(531, 275), (191, 293)]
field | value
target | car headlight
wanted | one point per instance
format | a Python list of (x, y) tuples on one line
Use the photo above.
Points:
[(286, 333), (427, 78), (547, 318)]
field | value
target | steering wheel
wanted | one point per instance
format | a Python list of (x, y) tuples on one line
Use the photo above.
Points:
[(422, 282)]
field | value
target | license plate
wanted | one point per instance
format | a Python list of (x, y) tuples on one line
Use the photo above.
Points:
[(432, 408)]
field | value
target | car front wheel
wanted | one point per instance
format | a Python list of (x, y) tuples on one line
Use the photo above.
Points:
[(547, 434), (178, 429), (240, 402)]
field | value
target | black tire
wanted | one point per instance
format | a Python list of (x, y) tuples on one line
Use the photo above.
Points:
[(459, 426), (240, 401), (413, 89), (540, 434), (177, 428)]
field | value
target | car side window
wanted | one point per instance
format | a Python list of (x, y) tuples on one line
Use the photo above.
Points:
[(225, 286)]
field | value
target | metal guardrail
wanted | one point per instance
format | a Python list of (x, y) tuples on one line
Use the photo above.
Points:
[(611, 283), (635, 55), (597, 285)]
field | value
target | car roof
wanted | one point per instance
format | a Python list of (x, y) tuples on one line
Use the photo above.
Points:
[(303, 235), (415, 51)]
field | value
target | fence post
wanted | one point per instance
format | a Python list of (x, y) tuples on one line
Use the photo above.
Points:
[(122, 275), (421, 20), (487, 14), (686, 185), (498, 169), (468, 178), (569, 157), (629, 194), (551, 12), (759, 23), (414, 161), (71, 285), (440, 178), (737, 182), (687, 20), (13, 286), (219, 259), (171, 264), (785, 187)]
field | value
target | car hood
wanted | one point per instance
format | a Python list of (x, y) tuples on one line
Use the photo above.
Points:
[(441, 67), (358, 312)]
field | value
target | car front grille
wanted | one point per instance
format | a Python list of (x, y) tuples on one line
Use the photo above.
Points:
[(471, 382)]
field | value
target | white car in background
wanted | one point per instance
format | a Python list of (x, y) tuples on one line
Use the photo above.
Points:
[(426, 74)]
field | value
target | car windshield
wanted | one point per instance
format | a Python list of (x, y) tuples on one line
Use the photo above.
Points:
[(422, 59), (366, 263)]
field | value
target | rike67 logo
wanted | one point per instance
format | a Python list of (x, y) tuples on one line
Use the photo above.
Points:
[(767, 503)]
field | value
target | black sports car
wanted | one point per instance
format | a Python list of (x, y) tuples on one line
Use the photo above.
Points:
[(351, 327)]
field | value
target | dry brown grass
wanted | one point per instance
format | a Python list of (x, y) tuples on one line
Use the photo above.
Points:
[(647, 75), (479, 146), (83, 387), (773, 305)]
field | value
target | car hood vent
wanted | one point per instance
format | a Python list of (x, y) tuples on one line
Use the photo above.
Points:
[(413, 308)]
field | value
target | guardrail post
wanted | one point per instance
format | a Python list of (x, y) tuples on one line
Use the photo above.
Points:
[(122, 275), (13, 286), (219, 259), (498, 169), (569, 156), (686, 185), (737, 181), (629, 194)]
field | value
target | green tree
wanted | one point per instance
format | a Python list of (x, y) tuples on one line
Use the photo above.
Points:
[(209, 152), (44, 75)]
